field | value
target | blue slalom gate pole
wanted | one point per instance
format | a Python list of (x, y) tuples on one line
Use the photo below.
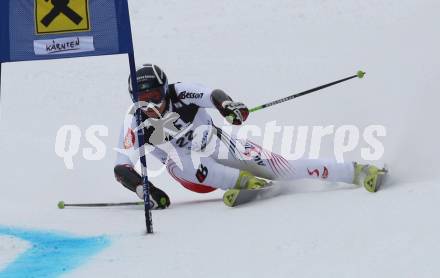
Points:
[(0, 82), (140, 132), (141, 140)]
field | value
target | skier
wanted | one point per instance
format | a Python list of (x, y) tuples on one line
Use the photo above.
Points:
[(232, 165)]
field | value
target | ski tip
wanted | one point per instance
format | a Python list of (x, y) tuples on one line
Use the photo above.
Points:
[(61, 204), (385, 168), (230, 196), (361, 74)]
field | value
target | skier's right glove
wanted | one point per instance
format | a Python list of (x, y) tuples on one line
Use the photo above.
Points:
[(130, 179), (236, 112)]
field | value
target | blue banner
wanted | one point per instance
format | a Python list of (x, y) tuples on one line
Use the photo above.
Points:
[(53, 29)]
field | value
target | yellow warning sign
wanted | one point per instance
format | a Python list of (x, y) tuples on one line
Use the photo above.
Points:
[(61, 16)]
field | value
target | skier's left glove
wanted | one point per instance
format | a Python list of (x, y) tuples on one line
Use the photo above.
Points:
[(130, 179), (236, 112), (158, 198)]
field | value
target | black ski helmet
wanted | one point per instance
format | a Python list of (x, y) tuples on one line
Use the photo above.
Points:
[(149, 77)]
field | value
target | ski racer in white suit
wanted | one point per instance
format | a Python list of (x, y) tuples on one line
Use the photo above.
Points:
[(200, 156)]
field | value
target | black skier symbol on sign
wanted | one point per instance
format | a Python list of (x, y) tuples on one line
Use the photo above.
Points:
[(60, 7)]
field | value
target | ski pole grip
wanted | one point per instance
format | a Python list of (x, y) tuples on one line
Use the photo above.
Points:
[(256, 108)]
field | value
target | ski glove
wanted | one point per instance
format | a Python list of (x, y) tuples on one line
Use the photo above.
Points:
[(158, 198), (236, 112)]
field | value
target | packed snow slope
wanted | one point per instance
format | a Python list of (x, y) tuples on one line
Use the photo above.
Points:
[(256, 51)]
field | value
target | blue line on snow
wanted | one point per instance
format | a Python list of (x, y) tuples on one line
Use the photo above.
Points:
[(51, 254)]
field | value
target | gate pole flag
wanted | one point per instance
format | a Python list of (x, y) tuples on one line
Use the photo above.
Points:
[(54, 29)]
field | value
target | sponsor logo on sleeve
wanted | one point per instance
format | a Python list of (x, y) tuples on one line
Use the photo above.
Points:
[(184, 95)]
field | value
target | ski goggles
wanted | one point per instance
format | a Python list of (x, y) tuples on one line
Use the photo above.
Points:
[(152, 96)]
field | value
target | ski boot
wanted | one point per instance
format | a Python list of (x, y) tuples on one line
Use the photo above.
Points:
[(248, 181), (245, 181), (370, 176)]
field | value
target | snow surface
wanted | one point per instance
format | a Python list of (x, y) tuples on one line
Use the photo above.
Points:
[(10, 248), (255, 50)]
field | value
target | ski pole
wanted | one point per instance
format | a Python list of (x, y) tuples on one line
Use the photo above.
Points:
[(359, 74), (62, 205)]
